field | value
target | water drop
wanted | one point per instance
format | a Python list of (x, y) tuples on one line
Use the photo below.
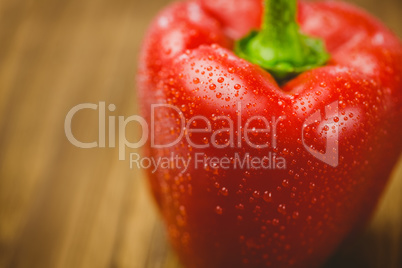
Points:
[(218, 210), (240, 206), (256, 194), (295, 215), (267, 196), (224, 191), (282, 209)]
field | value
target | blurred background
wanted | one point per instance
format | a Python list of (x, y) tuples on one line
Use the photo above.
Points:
[(61, 206)]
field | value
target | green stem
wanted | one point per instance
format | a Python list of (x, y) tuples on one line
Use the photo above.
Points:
[(279, 47)]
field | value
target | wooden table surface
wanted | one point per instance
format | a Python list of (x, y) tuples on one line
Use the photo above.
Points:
[(61, 206)]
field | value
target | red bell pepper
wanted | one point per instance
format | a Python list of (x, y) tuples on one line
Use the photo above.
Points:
[(318, 120)]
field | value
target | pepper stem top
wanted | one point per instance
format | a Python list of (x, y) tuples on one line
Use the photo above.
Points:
[(279, 47)]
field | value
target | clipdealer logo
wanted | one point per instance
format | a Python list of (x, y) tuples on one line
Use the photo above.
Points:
[(330, 156)]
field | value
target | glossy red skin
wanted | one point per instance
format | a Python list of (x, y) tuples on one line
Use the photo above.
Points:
[(275, 218)]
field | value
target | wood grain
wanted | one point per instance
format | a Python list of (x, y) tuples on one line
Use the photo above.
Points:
[(61, 206)]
